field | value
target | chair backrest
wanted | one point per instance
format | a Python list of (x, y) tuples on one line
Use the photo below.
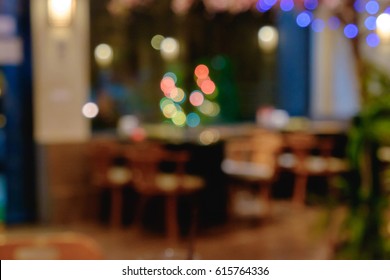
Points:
[(238, 149), (301, 143), (53, 246), (261, 147), (102, 154), (266, 145), (146, 161)]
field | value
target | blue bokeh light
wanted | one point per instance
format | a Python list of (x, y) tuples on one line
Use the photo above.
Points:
[(311, 4), (351, 31), (193, 120), (334, 23), (318, 25), (286, 5), (304, 19), (261, 6), (370, 23), (359, 6), (372, 7), (373, 40), (270, 2)]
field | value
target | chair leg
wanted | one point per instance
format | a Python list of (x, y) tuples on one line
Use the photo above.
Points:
[(265, 196), (193, 230), (171, 222), (299, 195), (116, 207), (141, 205)]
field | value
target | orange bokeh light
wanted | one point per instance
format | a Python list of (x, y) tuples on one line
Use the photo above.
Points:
[(201, 71), (208, 86), (167, 85)]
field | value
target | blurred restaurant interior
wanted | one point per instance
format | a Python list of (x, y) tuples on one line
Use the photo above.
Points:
[(194, 129)]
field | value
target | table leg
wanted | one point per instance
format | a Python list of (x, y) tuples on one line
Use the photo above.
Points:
[(171, 222)]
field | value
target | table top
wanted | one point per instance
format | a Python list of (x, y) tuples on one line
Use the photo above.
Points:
[(208, 135)]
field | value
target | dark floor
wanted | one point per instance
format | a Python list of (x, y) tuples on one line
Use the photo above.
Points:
[(290, 233)]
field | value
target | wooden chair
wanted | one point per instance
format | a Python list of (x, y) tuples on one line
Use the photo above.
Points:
[(53, 246), (253, 160), (303, 163), (106, 173), (150, 180)]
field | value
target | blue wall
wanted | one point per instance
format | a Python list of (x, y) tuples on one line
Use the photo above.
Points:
[(293, 65)]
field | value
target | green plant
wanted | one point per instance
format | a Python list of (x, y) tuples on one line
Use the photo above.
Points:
[(365, 234)]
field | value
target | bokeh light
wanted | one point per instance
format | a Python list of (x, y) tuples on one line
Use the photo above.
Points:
[(164, 102), (169, 110), (178, 95), (383, 26), (268, 38), (270, 2), (196, 98), (372, 40), (372, 7), (167, 84), (179, 119), (286, 5), (90, 110), (279, 118), (171, 75), (104, 55), (60, 12), (303, 19), (127, 124), (334, 23), (201, 71), (351, 31), (173, 102), (207, 86), (216, 110), (209, 136), (210, 108), (370, 23), (311, 4), (218, 62), (156, 41), (318, 25), (359, 5), (170, 48), (262, 6), (207, 107), (193, 120)]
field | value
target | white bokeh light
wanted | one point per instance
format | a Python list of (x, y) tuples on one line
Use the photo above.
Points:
[(383, 26), (170, 48), (104, 55), (268, 38), (90, 110), (60, 12)]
